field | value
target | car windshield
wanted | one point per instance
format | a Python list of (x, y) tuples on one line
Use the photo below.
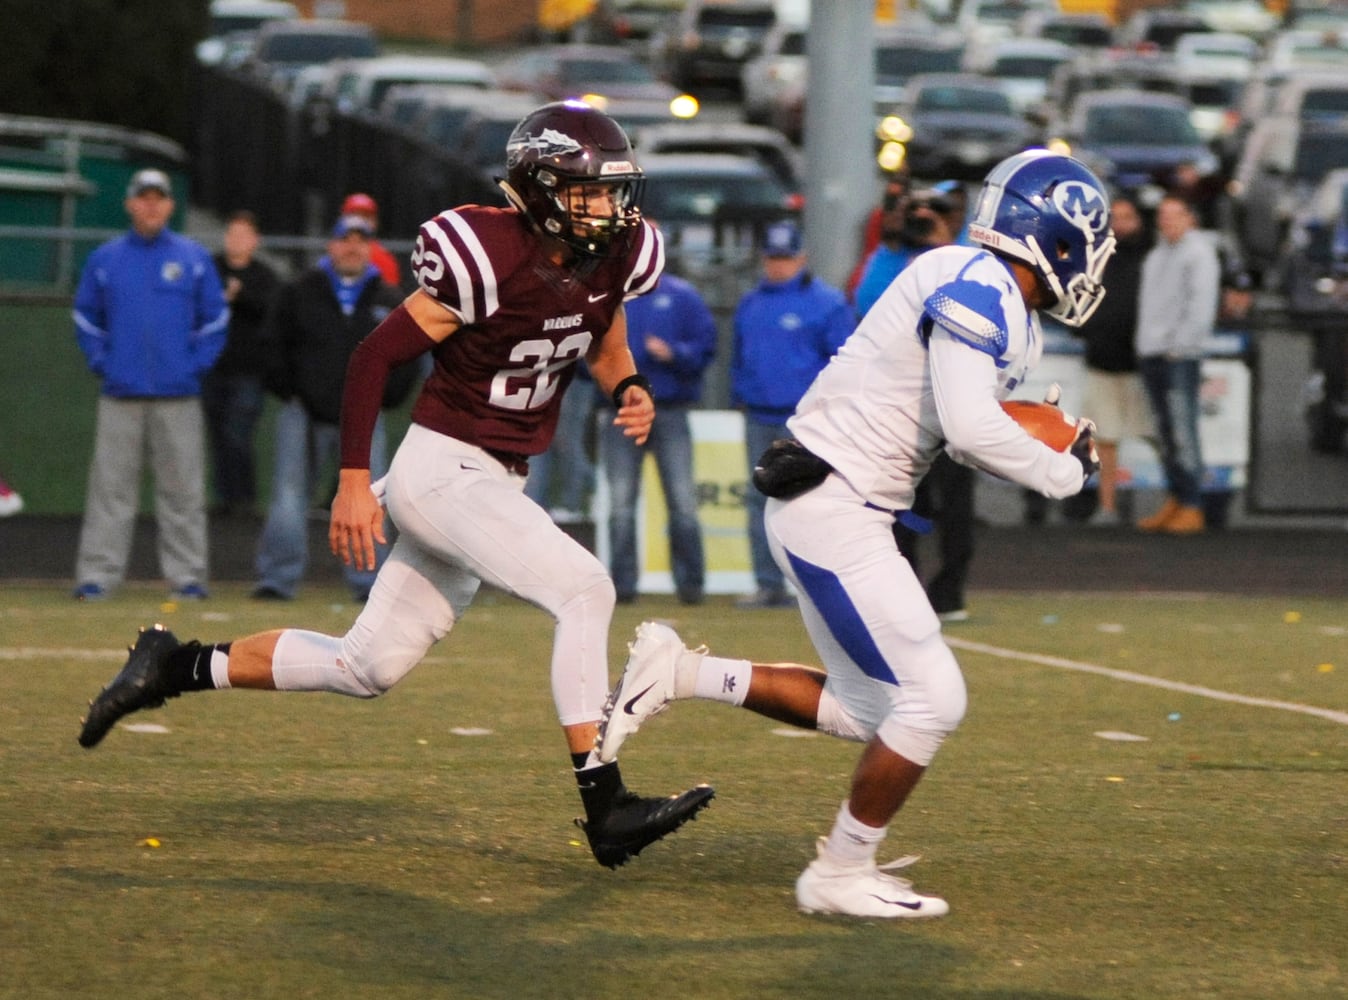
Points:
[(902, 61), (1026, 67), (1086, 36), (307, 49), (1325, 102), (974, 99), (1320, 152), (714, 21), (1139, 125), (604, 71), (671, 197), (1215, 93)]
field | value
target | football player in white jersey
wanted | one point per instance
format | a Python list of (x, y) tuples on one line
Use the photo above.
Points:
[(509, 301), (949, 339)]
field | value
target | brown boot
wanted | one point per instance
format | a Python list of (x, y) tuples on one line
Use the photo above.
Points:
[(1185, 521), (1161, 518)]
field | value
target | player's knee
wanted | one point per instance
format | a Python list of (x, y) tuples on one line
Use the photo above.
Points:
[(590, 594)]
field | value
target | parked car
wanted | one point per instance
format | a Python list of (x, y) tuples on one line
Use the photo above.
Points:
[(1082, 31), (234, 22), (1158, 28), (1315, 279), (709, 42), (954, 125), (1024, 66), (901, 52), (628, 21), (1284, 159), (712, 208), (609, 76), (1216, 54), (360, 84), (1303, 48), (283, 48), (1135, 139), (778, 69), (767, 145)]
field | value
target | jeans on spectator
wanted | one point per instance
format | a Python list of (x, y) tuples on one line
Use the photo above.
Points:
[(1172, 388), (767, 574), (671, 442), (233, 404), (306, 448)]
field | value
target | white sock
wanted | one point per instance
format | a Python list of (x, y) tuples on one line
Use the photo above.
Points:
[(851, 840), (717, 678), (219, 669)]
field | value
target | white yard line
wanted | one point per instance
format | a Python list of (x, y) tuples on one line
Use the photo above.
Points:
[(1135, 678)]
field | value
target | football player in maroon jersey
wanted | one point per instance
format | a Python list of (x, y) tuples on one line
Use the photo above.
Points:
[(508, 301)]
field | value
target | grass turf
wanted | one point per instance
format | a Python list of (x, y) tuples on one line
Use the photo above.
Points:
[(325, 847)]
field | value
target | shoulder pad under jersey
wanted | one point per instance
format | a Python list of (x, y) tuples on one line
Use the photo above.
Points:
[(971, 312)]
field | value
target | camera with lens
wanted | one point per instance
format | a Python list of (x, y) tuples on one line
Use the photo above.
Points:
[(924, 208)]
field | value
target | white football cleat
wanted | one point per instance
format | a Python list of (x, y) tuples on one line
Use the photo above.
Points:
[(862, 889), (646, 687)]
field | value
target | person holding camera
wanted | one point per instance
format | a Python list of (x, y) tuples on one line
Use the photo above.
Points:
[(910, 224)]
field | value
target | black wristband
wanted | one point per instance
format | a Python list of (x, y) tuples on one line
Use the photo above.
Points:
[(621, 388)]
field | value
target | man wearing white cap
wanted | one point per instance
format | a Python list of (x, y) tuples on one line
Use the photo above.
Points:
[(151, 319)]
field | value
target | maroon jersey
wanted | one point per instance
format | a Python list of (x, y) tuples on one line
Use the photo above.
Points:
[(498, 380)]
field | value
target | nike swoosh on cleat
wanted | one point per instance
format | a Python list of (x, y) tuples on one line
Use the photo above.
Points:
[(634, 699), (899, 902)]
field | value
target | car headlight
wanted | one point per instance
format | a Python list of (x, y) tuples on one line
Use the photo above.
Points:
[(891, 156), (684, 106), (892, 128)]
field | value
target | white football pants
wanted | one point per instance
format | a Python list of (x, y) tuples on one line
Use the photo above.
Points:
[(462, 519), (869, 618)]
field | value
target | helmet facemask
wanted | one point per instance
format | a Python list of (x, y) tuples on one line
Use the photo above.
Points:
[(593, 217), (1076, 301)]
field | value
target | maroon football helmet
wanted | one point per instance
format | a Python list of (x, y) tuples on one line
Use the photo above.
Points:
[(571, 145)]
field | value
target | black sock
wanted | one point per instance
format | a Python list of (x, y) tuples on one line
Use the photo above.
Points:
[(599, 786), (188, 668)]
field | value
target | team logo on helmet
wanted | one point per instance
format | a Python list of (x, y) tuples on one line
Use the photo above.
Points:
[(549, 142), (1083, 206)]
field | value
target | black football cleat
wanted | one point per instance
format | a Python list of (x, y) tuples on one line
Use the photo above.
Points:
[(139, 685), (633, 822)]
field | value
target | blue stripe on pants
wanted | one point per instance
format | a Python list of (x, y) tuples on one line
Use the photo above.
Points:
[(827, 593)]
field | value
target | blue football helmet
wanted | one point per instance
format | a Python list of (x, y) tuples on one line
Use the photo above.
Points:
[(1052, 214)]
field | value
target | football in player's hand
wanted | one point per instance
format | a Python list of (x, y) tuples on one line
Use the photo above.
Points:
[(1043, 422)]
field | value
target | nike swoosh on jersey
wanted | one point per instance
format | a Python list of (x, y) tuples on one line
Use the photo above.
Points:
[(634, 699), (597, 298)]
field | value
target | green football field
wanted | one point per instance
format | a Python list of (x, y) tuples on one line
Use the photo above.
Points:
[(1147, 799)]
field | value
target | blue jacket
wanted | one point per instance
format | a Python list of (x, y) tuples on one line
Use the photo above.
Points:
[(785, 334), (676, 314), (150, 315)]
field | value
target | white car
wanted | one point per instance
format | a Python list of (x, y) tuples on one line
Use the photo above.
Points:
[(1216, 54), (231, 19), (1024, 66)]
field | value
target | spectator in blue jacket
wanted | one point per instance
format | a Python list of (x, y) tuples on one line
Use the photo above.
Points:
[(151, 319), (786, 329), (673, 339)]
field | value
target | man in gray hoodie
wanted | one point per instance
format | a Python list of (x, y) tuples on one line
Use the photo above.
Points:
[(1177, 311)]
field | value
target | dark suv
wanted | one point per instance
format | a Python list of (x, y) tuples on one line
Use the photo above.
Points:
[(708, 43)]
